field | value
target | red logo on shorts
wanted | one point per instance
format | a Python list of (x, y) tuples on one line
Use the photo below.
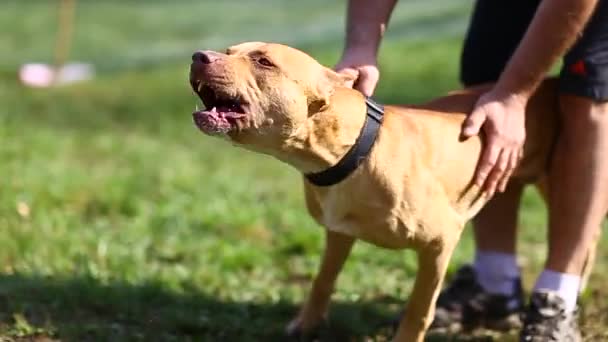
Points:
[(579, 68)]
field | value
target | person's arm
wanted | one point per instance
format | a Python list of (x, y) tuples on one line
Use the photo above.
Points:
[(554, 28), (366, 22)]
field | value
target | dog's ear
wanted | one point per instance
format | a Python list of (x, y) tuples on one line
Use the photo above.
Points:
[(326, 86), (344, 78)]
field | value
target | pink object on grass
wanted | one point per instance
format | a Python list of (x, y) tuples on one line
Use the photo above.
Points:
[(41, 75)]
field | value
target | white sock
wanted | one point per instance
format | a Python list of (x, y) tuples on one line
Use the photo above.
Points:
[(496, 272), (566, 286)]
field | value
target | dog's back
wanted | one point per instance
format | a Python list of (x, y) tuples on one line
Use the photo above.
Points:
[(541, 122)]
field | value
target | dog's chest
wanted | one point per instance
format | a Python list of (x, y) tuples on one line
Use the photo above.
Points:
[(365, 216)]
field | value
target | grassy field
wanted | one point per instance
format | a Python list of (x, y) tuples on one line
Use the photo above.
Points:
[(119, 221)]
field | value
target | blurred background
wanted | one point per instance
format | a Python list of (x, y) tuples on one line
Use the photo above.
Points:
[(120, 221)]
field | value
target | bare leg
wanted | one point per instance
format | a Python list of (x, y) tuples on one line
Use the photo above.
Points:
[(578, 184), (314, 311), (543, 189), (496, 224)]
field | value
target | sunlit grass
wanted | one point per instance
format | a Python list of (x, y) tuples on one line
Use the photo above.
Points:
[(120, 221)]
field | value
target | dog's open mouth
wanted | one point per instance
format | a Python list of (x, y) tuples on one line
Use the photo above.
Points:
[(222, 113)]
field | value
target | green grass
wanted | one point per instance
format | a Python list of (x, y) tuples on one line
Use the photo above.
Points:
[(120, 221)]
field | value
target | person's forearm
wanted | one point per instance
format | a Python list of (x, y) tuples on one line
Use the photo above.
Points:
[(366, 23), (553, 30)]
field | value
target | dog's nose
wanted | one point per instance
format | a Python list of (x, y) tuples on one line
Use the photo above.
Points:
[(205, 57)]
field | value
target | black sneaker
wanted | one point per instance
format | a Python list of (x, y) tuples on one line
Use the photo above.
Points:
[(464, 305), (546, 320)]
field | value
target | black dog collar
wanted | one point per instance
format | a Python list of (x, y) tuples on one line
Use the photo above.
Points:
[(357, 153)]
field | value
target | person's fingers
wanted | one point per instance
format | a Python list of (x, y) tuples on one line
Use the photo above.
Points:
[(353, 73), (473, 123), (520, 155), (497, 172), (513, 161), (367, 81), (488, 159)]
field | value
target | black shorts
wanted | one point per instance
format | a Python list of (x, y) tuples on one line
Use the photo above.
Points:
[(496, 27)]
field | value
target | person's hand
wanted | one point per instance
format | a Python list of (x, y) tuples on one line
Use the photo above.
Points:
[(364, 67), (502, 118)]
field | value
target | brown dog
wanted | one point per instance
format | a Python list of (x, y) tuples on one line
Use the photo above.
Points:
[(413, 190)]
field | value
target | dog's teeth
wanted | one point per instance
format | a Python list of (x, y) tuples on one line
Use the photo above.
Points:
[(214, 110), (200, 86)]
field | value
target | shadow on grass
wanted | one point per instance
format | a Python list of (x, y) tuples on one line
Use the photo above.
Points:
[(82, 309)]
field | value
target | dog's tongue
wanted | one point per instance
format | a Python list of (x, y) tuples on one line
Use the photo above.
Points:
[(211, 121), (217, 120)]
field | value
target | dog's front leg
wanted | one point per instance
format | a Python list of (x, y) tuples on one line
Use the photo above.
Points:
[(419, 312), (337, 249)]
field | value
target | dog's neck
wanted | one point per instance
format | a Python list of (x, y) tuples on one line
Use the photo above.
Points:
[(327, 135)]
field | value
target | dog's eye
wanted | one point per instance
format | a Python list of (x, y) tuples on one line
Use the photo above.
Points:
[(265, 62)]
